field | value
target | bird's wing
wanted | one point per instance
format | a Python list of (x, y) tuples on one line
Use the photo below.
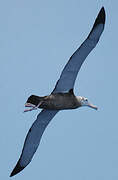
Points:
[(70, 71), (33, 139)]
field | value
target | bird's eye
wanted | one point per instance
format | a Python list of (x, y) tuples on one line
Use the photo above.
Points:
[(86, 100)]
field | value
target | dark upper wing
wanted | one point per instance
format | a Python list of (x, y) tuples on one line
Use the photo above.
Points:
[(70, 71), (33, 139)]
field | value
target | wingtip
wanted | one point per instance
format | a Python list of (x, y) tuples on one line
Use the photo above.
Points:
[(17, 169), (102, 14), (100, 18)]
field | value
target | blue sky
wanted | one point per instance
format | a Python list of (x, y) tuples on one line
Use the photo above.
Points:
[(36, 40)]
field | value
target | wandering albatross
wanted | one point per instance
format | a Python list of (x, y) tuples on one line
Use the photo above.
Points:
[(62, 97)]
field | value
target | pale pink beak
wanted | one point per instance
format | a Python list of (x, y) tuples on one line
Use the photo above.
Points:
[(92, 106)]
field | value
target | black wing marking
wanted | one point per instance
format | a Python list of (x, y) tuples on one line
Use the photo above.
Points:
[(70, 71), (33, 139)]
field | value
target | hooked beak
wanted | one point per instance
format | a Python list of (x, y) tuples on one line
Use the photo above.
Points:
[(92, 106)]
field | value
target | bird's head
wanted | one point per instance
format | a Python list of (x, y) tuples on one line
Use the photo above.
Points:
[(84, 102)]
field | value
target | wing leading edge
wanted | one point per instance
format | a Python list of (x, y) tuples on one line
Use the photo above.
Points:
[(33, 139), (70, 71)]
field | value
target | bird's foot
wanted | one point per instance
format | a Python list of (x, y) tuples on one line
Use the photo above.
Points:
[(33, 107)]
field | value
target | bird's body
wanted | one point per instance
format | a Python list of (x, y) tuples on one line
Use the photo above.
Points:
[(62, 96), (58, 101)]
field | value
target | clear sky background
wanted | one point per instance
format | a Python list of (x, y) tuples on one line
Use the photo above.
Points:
[(36, 40)]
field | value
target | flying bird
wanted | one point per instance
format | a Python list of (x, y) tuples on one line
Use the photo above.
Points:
[(62, 97)]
